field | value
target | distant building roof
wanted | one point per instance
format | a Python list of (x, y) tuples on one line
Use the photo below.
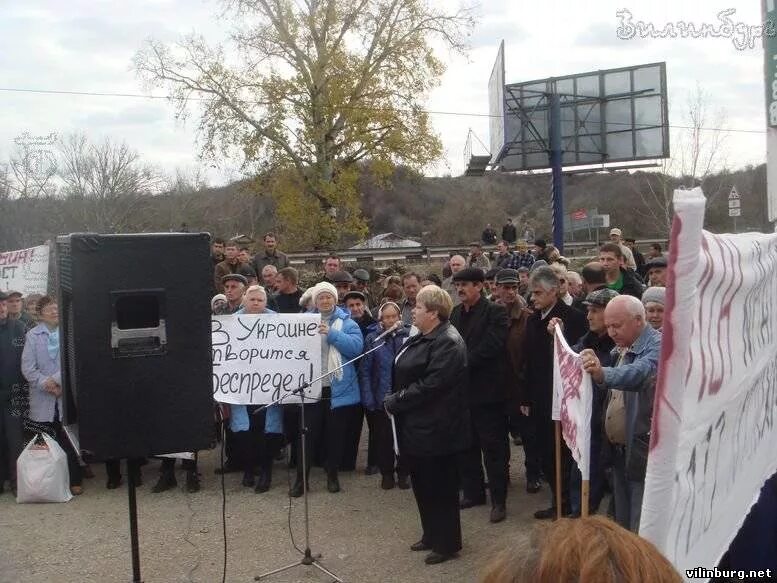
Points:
[(386, 240)]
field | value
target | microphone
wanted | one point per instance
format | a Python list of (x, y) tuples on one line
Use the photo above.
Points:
[(394, 328)]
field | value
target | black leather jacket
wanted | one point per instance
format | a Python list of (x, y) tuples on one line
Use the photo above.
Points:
[(430, 387)]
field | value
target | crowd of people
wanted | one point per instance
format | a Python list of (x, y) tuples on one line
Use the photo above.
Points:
[(470, 367), (467, 369)]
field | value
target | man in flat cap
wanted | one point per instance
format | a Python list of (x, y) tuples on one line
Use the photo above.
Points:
[(600, 342), (508, 295), (356, 304), (656, 272), (343, 282), (234, 286), (483, 326)]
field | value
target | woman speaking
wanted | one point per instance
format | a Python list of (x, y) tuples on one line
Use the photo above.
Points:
[(430, 405)]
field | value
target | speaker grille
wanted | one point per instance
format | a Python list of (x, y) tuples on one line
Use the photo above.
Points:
[(65, 266)]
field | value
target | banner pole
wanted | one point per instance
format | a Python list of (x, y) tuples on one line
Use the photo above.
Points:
[(557, 425), (585, 493)]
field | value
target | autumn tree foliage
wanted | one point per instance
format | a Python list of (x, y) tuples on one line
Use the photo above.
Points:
[(306, 90)]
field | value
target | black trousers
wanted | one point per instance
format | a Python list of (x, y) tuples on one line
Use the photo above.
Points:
[(490, 445), (436, 490), (253, 447), (352, 438), (382, 436), (372, 456), (11, 443), (113, 468), (168, 464), (548, 445), (339, 435), (314, 418), (527, 429)]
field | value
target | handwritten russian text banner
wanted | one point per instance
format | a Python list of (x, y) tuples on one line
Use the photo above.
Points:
[(25, 270), (572, 402), (259, 358), (714, 433)]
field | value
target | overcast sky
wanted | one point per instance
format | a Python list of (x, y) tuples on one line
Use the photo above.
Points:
[(88, 45)]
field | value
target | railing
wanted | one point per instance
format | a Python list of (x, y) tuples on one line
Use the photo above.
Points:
[(430, 253)]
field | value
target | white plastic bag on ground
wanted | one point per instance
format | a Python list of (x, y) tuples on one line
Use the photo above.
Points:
[(41, 472)]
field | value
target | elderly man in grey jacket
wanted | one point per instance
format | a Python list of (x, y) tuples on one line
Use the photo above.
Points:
[(631, 383)]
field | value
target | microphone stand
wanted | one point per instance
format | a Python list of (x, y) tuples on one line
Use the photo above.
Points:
[(308, 558)]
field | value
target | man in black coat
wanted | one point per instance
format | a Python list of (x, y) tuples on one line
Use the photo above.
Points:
[(13, 394), (538, 348), (483, 325), (509, 233)]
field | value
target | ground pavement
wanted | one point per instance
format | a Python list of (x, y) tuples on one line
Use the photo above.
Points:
[(363, 532)]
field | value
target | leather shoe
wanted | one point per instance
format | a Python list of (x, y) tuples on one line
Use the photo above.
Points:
[(113, 483), (192, 482), (165, 482), (387, 483), (547, 514), (297, 489), (420, 546), (248, 479), (263, 483), (76, 490), (333, 484), (403, 482), (498, 513), (434, 558), (371, 470), (469, 503), (533, 486)]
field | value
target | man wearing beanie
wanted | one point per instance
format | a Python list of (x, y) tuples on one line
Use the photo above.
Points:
[(483, 326)]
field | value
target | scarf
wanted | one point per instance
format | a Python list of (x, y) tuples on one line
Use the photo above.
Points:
[(334, 358), (53, 343)]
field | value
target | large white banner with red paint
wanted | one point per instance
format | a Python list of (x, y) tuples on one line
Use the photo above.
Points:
[(714, 433), (25, 270), (572, 402)]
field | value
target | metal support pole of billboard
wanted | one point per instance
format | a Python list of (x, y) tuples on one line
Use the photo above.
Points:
[(555, 164)]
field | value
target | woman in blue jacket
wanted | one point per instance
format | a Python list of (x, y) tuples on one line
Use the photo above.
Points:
[(375, 381), (342, 341)]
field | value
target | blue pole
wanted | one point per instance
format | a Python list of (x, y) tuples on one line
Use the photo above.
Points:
[(555, 164)]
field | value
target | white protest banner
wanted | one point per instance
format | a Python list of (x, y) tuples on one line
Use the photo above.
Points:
[(714, 434), (258, 358), (572, 402), (25, 270)]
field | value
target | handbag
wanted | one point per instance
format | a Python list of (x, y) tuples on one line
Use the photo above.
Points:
[(41, 472)]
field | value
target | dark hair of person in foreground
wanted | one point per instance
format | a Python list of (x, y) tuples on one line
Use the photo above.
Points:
[(585, 550)]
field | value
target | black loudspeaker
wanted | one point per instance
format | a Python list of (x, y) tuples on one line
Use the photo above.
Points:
[(135, 342)]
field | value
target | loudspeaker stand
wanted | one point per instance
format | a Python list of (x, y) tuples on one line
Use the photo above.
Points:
[(133, 522)]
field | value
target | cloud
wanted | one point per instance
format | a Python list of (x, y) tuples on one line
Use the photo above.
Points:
[(604, 35)]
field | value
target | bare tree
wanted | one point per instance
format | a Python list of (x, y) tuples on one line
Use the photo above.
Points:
[(5, 187), (109, 180), (32, 172), (700, 151)]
